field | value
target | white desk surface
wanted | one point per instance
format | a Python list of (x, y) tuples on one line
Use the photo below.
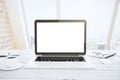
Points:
[(103, 71)]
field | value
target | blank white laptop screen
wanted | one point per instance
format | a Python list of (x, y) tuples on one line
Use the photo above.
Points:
[(60, 37)]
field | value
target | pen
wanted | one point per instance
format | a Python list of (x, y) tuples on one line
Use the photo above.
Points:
[(110, 55), (3, 56)]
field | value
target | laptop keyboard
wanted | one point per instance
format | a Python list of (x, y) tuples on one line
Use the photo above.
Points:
[(63, 59)]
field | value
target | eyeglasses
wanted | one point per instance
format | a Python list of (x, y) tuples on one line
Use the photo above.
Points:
[(98, 54)]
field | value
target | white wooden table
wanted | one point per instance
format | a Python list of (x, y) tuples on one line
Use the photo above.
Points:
[(103, 71)]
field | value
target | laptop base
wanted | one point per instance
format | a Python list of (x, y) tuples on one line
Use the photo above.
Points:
[(45, 65)]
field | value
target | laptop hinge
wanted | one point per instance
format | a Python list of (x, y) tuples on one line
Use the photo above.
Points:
[(61, 55)]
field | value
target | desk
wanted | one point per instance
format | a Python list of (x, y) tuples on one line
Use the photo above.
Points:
[(102, 71)]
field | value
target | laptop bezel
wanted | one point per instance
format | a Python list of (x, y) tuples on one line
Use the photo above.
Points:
[(60, 53)]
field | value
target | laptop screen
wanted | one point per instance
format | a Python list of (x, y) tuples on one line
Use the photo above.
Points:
[(60, 36)]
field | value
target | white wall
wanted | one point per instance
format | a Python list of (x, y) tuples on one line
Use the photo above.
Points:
[(17, 22)]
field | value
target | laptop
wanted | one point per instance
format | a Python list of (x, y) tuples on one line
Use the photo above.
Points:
[(60, 44)]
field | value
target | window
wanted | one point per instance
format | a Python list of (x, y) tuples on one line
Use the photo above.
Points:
[(97, 13), (37, 9)]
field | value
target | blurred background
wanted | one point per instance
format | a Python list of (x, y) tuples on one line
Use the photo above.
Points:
[(17, 20)]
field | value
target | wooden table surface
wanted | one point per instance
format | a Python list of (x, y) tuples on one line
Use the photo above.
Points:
[(105, 70)]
